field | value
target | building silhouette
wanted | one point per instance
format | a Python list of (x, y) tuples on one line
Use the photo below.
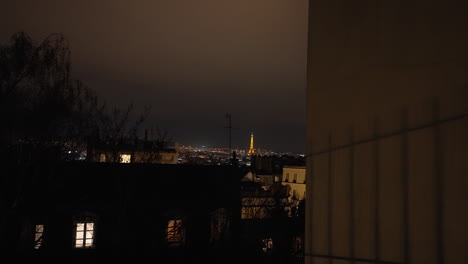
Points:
[(387, 132), (94, 211), (133, 151)]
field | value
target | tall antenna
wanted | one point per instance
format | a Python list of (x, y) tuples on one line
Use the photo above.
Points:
[(230, 128)]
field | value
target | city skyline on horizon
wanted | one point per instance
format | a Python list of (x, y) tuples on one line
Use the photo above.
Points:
[(246, 149)]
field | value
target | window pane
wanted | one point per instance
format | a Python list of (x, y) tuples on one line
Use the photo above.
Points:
[(89, 226), (38, 244), (39, 228), (89, 234), (79, 235), (80, 226), (79, 243), (89, 242)]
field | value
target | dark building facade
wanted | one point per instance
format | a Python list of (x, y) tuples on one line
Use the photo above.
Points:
[(95, 211)]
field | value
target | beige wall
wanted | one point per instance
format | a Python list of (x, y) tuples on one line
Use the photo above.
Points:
[(387, 135), (297, 188)]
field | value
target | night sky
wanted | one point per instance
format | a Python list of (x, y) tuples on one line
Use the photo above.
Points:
[(191, 61)]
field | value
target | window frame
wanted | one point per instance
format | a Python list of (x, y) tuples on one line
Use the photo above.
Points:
[(87, 232), (86, 219), (128, 158), (38, 241), (175, 238), (267, 245)]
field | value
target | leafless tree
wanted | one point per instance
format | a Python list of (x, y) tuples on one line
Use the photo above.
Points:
[(42, 107), (116, 134), (47, 114)]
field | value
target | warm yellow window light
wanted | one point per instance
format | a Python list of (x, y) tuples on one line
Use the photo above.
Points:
[(38, 236), (84, 232), (125, 158), (175, 231)]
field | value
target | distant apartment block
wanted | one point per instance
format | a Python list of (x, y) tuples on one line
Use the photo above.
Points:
[(138, 151), (295, 178), (84, 211)]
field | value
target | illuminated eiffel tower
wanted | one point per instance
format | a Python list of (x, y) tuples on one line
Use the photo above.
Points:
[(251, 150)]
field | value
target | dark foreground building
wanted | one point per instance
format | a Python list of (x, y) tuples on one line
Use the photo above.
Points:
[(88, 212)]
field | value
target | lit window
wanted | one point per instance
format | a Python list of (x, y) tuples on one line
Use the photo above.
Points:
[(175, 232), (38, 236), (102, 157), (125, 158), (267, 245), (84, 232)]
